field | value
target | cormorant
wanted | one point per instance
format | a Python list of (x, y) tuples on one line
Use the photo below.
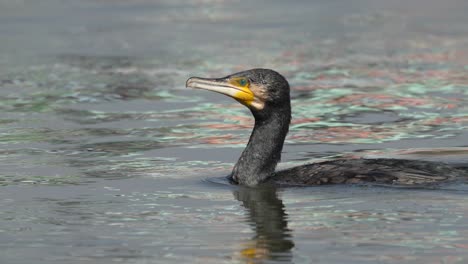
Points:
[(266, 93)]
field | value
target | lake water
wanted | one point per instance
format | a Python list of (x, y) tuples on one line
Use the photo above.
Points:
[(106, 157)]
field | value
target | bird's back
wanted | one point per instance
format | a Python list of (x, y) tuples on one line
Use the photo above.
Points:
[(377, 171)]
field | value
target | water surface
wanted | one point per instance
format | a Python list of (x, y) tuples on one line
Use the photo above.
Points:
[(105, 155)]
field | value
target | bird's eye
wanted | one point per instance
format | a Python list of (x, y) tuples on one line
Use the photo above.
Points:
[(243, 82)]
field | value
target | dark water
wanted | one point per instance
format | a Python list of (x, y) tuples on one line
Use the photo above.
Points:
[(105, 155)]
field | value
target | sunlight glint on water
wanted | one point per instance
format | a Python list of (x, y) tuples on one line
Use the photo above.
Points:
[(106, 158)]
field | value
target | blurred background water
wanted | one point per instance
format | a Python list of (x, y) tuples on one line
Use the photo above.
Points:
[(105, 155)]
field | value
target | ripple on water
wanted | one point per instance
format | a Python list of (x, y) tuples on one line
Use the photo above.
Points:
[(107, 155), (399, 224)]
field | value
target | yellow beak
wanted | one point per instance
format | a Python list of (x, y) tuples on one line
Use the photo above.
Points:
[(242, 94)]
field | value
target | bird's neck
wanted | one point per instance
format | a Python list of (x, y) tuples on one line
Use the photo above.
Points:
[(263, 152)]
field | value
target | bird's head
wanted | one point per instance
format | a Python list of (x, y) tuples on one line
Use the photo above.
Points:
[(261, 90)]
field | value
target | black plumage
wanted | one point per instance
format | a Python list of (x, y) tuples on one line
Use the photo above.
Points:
[(266, 93)]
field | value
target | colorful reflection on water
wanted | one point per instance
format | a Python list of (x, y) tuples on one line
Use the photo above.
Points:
[(106, 157)]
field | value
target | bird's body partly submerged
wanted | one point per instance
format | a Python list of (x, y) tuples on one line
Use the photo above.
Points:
[(266, 93), (377, 171)]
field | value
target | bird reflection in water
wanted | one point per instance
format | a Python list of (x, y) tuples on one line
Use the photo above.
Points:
[(266, 214)]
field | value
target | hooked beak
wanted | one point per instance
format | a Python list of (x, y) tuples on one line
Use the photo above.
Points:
[(242, 94)]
